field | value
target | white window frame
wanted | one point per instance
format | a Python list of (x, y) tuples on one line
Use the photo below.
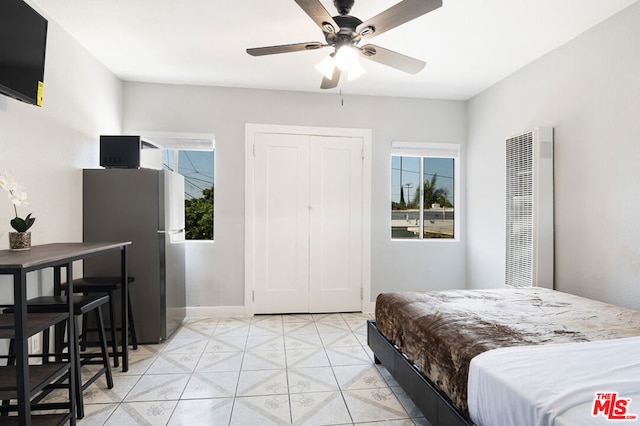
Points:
[(431, 150)]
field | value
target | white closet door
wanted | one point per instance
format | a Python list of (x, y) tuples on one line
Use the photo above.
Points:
[(281, 223), (335, 217), (308, 223)]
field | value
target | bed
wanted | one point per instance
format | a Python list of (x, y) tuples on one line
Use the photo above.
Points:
[(428, 340)]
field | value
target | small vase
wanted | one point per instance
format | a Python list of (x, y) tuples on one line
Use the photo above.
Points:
[(20, 240)]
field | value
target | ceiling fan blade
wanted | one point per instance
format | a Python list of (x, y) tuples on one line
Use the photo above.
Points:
[(319, 14), (392, 59), (285, 48), (396, 15), (333, 82)]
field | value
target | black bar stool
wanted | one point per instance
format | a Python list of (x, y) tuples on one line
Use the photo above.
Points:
[(82, 305), (108, 285)]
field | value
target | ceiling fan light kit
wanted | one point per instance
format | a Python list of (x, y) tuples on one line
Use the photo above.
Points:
[(343, 32), (346, 58), (355, 71), (326, 66)]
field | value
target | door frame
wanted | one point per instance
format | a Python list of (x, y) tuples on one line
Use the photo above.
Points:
[(251, 130)]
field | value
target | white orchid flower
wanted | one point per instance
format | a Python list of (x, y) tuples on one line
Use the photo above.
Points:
[(18, 198), (6, 182)]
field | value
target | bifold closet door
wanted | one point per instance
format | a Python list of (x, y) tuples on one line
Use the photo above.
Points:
[(335, 217), (281, 223), (308, 223)]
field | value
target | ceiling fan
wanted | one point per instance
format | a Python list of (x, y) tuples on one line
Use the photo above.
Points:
[(344, 32)]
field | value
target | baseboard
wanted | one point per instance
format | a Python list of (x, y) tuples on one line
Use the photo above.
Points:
[(239, 311), (214, 311)]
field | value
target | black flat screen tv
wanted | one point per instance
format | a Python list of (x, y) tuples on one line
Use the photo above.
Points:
[(23, 41)]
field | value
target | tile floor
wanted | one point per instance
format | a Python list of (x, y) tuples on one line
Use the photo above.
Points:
[(267, 370)]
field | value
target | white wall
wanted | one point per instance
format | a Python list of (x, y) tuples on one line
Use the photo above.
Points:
[(224, 112), (589, 91), (46, 148)]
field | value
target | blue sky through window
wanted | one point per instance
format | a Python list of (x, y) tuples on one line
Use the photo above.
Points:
[(410, 167), (197, 167)]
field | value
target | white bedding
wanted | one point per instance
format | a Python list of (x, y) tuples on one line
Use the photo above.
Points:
[(553, 384)]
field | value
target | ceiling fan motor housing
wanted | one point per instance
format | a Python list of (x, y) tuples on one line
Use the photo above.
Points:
[(348, 25), (343, 6)]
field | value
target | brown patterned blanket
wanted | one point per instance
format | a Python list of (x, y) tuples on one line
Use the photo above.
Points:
[(440, 332)]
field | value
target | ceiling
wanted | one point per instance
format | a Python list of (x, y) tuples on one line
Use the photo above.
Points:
[(468, 45)]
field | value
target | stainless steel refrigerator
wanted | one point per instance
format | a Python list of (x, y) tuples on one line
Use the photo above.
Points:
[(146, 207)]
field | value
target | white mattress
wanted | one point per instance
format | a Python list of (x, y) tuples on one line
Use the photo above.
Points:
[(553, 384)]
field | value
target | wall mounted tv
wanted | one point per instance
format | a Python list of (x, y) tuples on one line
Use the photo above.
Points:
[(23, 41)]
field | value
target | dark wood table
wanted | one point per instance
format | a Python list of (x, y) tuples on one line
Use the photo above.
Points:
[(58, 256)]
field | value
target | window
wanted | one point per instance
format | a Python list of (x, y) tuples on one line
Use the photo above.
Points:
[(197, 167), (424, 188)]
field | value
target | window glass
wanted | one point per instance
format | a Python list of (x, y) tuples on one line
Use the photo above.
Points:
[(197, 167), (422, 197), (405, 213), (168, 161), (438, 196)]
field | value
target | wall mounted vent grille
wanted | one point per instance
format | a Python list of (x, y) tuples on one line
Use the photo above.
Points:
[(529, 209)]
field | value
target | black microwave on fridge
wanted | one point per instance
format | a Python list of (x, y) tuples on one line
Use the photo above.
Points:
[(121, 152)]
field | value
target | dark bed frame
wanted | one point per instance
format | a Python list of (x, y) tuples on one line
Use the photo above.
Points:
[(436, 407)]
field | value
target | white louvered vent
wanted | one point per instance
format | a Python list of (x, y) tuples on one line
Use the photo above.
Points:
[(529, 209)]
